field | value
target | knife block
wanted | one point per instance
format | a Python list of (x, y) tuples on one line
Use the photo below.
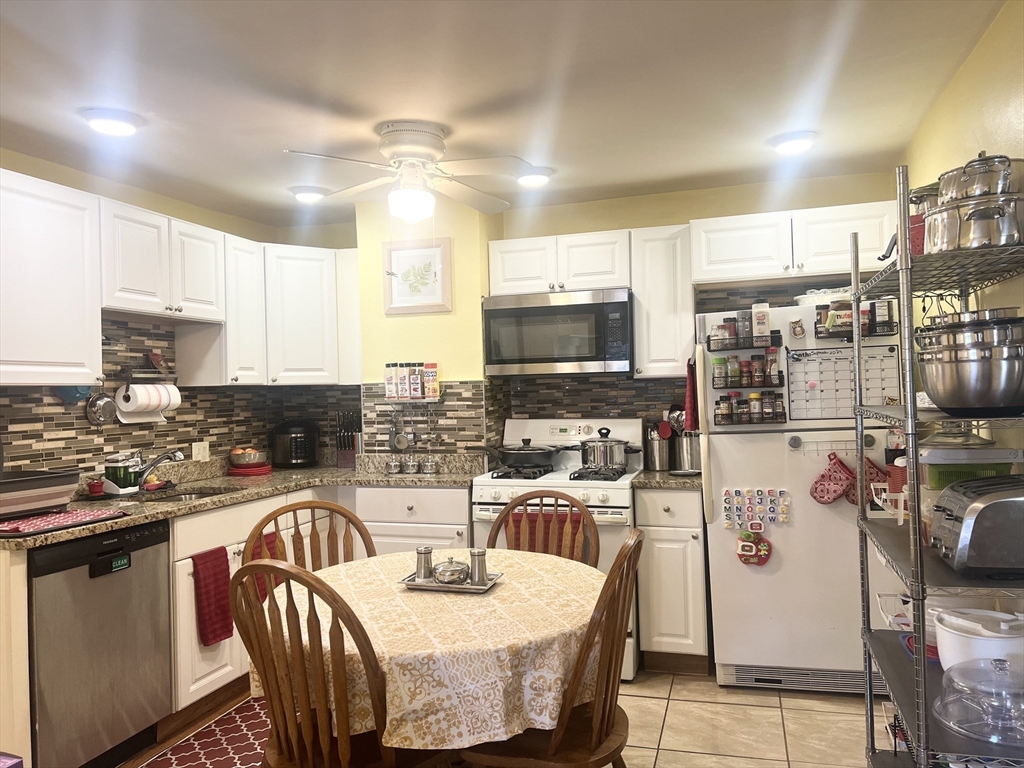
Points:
[(347, 459)]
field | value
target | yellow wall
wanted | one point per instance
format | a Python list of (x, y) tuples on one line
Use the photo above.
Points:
[(680, 207), (341, 235), (982, 107), (453, 340)]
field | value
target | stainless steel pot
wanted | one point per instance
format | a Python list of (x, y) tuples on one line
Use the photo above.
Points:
[(605, 451), (924, 199), (985, 175), (972, 335), (979, 222), (975, 382), (972, 316)]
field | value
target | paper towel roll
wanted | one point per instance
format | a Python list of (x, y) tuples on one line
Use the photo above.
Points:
[(141, 403)]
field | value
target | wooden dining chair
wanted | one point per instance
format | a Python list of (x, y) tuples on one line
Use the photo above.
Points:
[(546, 522), (300, 659), (267, 533), (593, 734)]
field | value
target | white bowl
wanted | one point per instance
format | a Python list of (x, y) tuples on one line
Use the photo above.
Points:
[(961, 637)]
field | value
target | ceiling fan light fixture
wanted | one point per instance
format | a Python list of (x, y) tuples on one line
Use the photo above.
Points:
[(536, 178), (411, 200), (112, 122), (795, 143), (309, 195)]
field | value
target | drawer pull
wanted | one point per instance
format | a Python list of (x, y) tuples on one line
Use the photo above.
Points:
[(666, 508), (694, 536), (409, 507)]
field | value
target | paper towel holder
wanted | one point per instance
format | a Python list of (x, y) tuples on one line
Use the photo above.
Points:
[(129, 375)]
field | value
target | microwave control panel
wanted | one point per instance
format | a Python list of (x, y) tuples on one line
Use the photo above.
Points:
[(821, 381)]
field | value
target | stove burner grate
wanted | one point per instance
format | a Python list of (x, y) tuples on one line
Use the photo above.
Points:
[(521, 473), (598, 473)]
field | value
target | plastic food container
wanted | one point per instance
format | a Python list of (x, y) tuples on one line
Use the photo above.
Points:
[(984, 699), (945, 466), (963, 634)]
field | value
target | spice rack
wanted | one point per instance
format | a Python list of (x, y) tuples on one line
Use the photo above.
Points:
[(730, 421), (770, 382), (846, 332), (733, 343)]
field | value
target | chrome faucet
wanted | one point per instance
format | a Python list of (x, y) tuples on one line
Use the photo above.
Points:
[(147, 470)]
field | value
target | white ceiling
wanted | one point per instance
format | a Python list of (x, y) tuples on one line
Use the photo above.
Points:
[(619, 97)]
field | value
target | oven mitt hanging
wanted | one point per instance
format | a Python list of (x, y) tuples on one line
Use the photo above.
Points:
[(833, 482), (872, 474)]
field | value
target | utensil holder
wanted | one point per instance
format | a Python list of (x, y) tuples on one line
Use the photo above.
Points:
[(656, 453), (685, 452)]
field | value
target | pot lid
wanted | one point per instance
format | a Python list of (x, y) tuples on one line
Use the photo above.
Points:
[(527, 447), (451, 567), (937, 322), (981, 623), (604, 438)]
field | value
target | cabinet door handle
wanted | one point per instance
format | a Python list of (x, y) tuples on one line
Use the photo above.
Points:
[(273, 379), (234, 378), (409, 507), (179, 308), (800, 265), (561, 285), (666, 508), (101, 378), (169, 307), (785, 267), (551, 286), (694, 536), (459, 534), (639, 370)]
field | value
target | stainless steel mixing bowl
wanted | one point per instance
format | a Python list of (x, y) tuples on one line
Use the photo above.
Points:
[(974, 382)]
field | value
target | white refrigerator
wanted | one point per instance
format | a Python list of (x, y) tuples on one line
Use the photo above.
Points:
[(792, 619)]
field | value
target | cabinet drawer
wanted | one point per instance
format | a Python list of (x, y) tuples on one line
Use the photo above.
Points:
[(448, 506), (218, 527), (677, 509)]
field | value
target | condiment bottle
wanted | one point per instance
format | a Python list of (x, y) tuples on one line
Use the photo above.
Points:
[(415, 381), (733, 369), (719, 368), (768, 406), (744, 328), (431, 385), (755, 408), (390, 382), (745, 373), (403, 381), (757, 370), (762, 327), (743, 412)]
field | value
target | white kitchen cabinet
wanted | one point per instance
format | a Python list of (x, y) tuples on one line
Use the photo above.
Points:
[(401, 519), (350, 347), (302, 315), (198, 669), (197, 272), (135, 244), (663, 329), (50, 291), (405, 537), (671, 591), (523, 265), (741, 247), (593, 260), (821, 237)]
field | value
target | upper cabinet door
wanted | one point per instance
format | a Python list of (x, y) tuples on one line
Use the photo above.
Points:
[(197, 271), (593, 261), (136, 261), (821, 237), (246, 305), (302, 315), (350, 347), (523, 265), (662, 300), (49, 283), (741, 247)]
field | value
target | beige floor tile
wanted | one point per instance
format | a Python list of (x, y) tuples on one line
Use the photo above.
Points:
[(692, 688), (845, 703), (645, 719), (637, 757), (655, 684), (829, 738), (814, 765), (669, 759), (724, 729)]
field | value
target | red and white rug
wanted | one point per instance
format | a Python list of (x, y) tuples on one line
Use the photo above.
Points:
[(233, 740)]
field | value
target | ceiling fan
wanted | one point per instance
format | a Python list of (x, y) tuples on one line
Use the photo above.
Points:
[(413, 149)]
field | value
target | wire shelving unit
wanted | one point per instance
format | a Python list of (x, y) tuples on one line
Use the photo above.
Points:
[(914, 682)]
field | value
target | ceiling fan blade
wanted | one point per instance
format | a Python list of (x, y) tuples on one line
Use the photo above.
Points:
[(355, 190), (507, 165), (379, 166), (474, 198)]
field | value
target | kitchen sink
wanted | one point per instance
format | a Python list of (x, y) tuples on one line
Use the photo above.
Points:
[(191, 496)]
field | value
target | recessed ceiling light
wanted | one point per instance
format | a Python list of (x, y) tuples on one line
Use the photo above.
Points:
[(793, 143), (537, 177), (112, 122), (309, 195)]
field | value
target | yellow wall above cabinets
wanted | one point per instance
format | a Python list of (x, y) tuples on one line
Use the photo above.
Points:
[(453, 339), (340, 235), (982, 107), (680, 207)]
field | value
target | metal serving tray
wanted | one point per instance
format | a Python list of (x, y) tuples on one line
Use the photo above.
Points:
[(463, 589)]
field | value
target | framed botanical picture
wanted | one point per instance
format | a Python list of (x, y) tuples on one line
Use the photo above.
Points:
[(418, 276)]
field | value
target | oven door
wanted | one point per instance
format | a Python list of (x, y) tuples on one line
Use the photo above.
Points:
[(561, 333)]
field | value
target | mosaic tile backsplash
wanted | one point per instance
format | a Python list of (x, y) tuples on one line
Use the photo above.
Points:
[(455, 424), (611, 396)]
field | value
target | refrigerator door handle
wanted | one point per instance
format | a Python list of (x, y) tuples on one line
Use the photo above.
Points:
[(705, 462)]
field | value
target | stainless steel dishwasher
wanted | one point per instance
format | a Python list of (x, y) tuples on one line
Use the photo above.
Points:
[(100, 624)]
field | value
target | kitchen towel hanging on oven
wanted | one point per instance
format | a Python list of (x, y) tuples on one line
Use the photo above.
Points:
[(833, 482)]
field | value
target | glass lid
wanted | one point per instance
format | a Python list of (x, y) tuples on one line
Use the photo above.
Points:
[(984, 699)]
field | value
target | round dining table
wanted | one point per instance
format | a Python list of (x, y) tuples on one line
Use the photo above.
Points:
[(464, 669)]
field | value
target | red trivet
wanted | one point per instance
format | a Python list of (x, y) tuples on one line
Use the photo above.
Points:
[(54, 521)]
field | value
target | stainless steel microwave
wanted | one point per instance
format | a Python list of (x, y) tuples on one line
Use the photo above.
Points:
[(566, 332)]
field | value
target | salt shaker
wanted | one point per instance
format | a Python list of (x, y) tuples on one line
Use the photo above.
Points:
[(424, 564), (478, 567)]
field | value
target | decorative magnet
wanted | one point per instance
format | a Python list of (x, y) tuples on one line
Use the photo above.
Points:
[(737, 492), (760, 508), (772, 518), (772, 510), (748, 492), (749, 508), (750, 515), (753, 549), (796, 329), (727, 493), (785, 501), (756, 526), (759, 492), (771, 492), (728, 524), (740, 523), (783, 492), (783, 518), (760, 516), (728, 516)]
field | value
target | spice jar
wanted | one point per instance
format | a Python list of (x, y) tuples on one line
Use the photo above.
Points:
[(743, 412), (734, 400), (431, 385), (745, 328), (745, 373), (757, 370), (415, 381), (723, 409), (733, 369), (403, 381), (768, 406), (390, 381), (755, 408), (719, 368)]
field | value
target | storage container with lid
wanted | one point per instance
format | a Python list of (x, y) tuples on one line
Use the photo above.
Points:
[(983, 699), (945, 466)]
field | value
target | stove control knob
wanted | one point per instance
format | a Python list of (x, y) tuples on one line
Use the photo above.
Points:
[(495, 494), (584, 497), (512, 494), (587, 429), (602, 497)]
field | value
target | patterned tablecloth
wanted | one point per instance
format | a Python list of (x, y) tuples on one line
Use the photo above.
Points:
[(465, 669)]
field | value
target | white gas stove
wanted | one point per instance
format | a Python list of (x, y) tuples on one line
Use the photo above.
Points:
[(608, 497)]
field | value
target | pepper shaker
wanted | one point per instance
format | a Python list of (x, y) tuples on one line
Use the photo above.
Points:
[(424, 564), (478, 567)]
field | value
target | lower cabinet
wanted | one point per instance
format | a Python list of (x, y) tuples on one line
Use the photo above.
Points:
[(401, 519), (198, 669), (405, 537), (670, 581)]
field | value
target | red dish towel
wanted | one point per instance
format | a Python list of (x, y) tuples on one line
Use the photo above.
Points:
[(691, 420), (257, 553), (211, 575)]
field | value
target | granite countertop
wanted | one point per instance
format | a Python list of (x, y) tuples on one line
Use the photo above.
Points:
[(666, 482), (231, 490)]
